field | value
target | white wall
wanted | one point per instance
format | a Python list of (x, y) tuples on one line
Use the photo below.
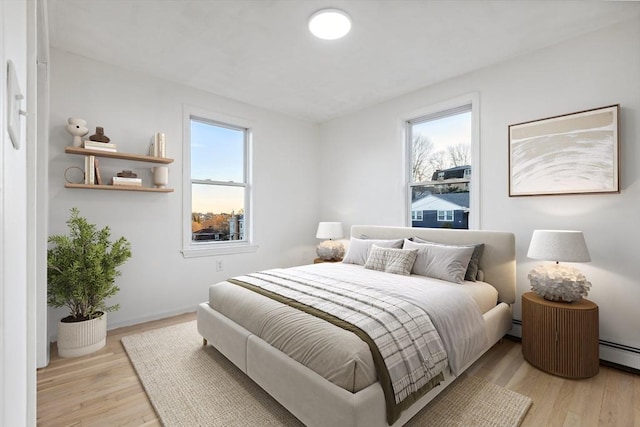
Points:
[(364, 152), (157, 281)]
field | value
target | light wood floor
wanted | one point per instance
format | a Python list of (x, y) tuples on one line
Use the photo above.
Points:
[(103, 390)]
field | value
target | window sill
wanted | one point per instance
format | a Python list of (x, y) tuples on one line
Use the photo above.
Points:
[(219, 249)]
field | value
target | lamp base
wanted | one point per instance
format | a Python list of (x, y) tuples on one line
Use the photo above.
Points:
[(330, 250), (559, 283)]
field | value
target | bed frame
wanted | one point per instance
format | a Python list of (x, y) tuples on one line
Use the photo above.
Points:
[(316, 401)]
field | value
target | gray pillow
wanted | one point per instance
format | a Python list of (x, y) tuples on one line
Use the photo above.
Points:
[(358, 250), (474, 263), (391, 260), (440, 261)]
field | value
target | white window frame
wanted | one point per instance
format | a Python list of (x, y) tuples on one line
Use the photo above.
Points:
[(417, 215), (472, 99), (191, 249)]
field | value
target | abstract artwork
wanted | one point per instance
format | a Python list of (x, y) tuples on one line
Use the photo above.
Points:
[(570, 154)]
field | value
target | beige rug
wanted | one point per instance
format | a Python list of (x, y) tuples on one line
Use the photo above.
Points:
[(191, 385)]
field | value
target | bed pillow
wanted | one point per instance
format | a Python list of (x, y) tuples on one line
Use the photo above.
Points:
[(440, 261), (358, 250), (391, 260), (474, 263)]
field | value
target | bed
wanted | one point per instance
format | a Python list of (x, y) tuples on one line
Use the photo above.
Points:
[(290, 355)]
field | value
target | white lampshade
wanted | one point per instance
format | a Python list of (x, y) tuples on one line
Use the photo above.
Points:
[(558, 245), (329, 230), (329, 24)]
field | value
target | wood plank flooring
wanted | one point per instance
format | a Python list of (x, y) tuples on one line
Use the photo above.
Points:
[(102, 389)]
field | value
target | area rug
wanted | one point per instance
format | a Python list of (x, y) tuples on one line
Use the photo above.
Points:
[(194, 385)]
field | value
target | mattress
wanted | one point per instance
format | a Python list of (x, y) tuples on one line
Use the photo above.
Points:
[(334, 353)]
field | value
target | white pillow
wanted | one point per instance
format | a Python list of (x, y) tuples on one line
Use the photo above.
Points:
[(440, 262), (391, 260), (358, 250), (474, 262)]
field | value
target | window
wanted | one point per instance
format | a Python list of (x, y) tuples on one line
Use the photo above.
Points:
[(217, 192), (440, 147), (445, 216)]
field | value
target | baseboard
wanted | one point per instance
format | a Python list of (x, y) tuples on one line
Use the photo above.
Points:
[(612, 354), (152, 317), (142, 319)]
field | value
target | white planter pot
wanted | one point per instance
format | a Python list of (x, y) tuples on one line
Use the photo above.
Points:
[(81, 338)]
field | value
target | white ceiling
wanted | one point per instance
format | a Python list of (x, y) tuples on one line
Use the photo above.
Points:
[(260, 52)]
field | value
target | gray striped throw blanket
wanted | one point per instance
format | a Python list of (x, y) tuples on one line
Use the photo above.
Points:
[(406, 348)]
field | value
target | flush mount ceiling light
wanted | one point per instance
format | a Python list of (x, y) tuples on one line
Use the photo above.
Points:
[(329, 24)]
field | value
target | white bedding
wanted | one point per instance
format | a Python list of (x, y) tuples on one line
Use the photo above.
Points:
[(312, 398), (340, 356)]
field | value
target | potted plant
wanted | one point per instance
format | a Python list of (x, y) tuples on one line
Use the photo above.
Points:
[(81, 272)]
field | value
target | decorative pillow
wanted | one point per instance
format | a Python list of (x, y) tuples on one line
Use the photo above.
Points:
[(391, 260), (440, 261), (358, 250), (472, 269)]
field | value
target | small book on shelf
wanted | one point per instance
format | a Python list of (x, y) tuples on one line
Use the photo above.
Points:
[(89, 170), (100, 146), (98, 177), (126, 182)]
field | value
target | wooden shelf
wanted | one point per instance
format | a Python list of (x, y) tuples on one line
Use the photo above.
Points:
[(116, 155), (119, 188)]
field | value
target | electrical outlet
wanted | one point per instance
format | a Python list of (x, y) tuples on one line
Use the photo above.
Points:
[(219, 266)]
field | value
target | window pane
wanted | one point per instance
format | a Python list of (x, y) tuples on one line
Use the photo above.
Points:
[(217, 152), (440, 144), (217, 212), (440, 147)]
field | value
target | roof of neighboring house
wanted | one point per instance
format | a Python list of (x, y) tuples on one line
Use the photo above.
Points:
[(454, 172), (456, 168), (444, 201)]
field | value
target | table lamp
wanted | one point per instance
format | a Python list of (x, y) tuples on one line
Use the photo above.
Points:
[(330, 250), (558, 282)]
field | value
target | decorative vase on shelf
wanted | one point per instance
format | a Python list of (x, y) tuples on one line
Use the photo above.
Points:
[(99, 136), (160, 176), (78, 128)]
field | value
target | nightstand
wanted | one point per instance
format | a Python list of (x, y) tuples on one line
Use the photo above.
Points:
[(320, 260), (560, 338)]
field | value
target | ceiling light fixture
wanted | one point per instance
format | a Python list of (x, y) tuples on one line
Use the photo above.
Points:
[(329, 24)]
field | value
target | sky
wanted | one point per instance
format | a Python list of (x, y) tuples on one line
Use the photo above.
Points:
[(217, 154), (447, 130)]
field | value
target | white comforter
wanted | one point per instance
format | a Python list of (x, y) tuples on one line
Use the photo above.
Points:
[(455, 315)]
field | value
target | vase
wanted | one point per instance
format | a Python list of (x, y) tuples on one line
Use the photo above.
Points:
[(78, 128), (160, 176), (82, 338)]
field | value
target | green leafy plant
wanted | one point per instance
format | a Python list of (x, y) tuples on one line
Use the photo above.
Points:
[(81, 269)]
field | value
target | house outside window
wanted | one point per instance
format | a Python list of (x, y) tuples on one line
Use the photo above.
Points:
[(440, 148), (217, 191)]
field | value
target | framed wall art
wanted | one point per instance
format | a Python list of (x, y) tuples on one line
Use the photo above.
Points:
[(574, 153)]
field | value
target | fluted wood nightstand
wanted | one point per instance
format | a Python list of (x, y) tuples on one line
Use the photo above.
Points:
[(560, 338)]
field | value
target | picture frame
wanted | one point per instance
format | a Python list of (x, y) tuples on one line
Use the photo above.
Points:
[(576, 153)]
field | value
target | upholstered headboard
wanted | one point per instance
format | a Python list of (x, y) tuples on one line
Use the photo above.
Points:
[(498, 261)]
